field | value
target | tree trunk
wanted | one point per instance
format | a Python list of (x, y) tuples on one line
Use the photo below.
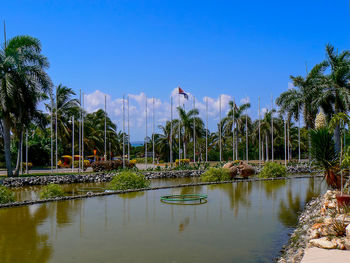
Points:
[(7, 145), (309, 142), (262, 150), (19, 154), (337, 133)]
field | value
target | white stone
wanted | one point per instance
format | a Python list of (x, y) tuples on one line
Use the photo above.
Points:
[(323, 243), (348, 231)]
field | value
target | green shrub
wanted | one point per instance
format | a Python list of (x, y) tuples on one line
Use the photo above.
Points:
[(128, 180), (105, 166), (6, 195), (142, 160), (272, 169), (216, 175), (51, 191)]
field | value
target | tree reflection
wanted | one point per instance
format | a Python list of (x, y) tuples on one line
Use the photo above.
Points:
[(20, 240), (272, 186)]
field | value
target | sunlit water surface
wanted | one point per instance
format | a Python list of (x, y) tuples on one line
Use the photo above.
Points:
[(241, 222)]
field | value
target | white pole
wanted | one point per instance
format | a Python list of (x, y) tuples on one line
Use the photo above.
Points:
[(233, 129), (26, 151), (105, 157), (123, 131), (146, 137), (288, 146), (299, 134), (246, 135), (72, 143), (82, 136), (272, 127), (128, 133), (153, 130), (206, 130), (56, 132), (220, 126), (21, 157), (51, 128), (179, 132), (79, 132), (171, 131), (259, 133), (285, 143), (194, 132)]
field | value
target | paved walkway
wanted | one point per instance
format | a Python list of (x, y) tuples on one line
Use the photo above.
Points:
[(319, 255)]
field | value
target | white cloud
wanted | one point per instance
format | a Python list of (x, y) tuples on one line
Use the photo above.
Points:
[(137, 113), (290, 85)]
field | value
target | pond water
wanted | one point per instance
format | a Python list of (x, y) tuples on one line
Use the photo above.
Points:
[(33, 192), (241, 222)]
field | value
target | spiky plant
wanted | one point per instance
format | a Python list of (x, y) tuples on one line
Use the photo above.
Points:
[(324, 155)]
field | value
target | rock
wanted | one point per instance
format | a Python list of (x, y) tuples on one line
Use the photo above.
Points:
[(245, 169), (323, 242), (314, 234), (347, 229), (233, 169)]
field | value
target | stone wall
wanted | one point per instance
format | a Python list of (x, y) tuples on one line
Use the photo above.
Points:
[(90, 178)]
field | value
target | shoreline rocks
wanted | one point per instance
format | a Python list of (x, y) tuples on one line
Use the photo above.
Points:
[(323, 224)]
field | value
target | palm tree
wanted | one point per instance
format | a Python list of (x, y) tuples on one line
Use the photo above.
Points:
[(187, 119), (23, 80), (335, 95), (240, 120), (162, 140), (66, 108), (301, 98)]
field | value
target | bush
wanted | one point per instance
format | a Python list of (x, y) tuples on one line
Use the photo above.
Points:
[(51, 191), (128, 180), (273, 170), (142, 160), (6, 195), (182, 162), (216, 175), (86, 164), (30, 165), (105, 166)]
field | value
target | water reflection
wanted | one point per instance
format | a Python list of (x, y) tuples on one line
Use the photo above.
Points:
[(242, 222)]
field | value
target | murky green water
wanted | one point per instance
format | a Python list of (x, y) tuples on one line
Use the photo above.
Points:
[(33, 192), (242, 222)]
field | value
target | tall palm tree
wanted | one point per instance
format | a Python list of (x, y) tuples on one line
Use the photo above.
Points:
[(301, 98), (335, 95), (23, 80), (187, 120), (240, 120), (162, 140)]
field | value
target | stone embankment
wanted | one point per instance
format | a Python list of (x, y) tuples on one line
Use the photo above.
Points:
[(90, 178), (322, 224)]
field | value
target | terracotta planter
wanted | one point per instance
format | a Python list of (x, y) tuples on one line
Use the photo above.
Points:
[(343, 200)]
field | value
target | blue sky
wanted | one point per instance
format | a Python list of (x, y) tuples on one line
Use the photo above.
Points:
[(244, 49)]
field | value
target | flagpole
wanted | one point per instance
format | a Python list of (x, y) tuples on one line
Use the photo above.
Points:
[(73, 143), (299, 133), (220, 126), (153, 129), (51, 128), (128, 133), (179, 130), (171, 131), (124, 131), (105, 157), (56, 131), (146, 137), (79, 131), (272, 127), (21, 157), (26, 151), (246, 135), (233, 129), (285, 144), (288, 148), (259, 134), (194, 132), (206, 130), (82, 136)]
